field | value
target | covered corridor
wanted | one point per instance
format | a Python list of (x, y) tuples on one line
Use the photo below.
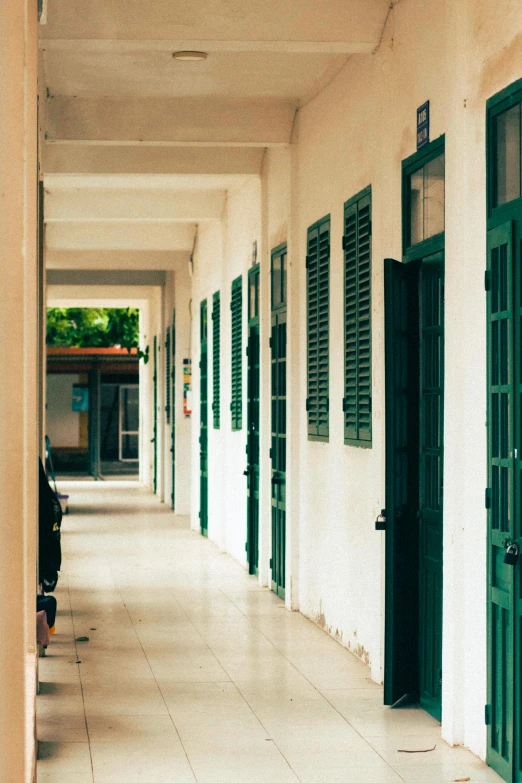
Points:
[(193, 672)]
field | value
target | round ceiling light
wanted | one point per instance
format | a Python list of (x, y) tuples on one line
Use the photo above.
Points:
[(188, 55)]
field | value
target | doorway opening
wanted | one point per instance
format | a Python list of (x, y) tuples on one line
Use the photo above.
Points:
[(414, 364)]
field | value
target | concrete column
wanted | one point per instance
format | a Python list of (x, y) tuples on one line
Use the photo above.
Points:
[(186, 310), (18, 390)]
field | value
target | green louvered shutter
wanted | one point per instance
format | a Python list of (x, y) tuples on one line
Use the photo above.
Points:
[(167, 375), (357, 402), (236, 306), (318, 318), (216, 344)]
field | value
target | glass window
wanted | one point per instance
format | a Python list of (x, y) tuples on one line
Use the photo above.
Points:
[(278, 280), (129, 447), (427, 200), (508, 155), (130, 409), (253, 296)]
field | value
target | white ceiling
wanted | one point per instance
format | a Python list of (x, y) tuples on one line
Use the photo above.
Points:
[(143, 147), (155, 74)]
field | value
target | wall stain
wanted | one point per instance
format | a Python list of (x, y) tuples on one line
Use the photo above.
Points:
[(498, 69), (353, 645)]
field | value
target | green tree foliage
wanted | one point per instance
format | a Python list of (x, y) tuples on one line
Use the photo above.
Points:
[(93, 327)]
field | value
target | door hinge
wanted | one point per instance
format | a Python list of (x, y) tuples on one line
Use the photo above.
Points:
[(344, 404), (271, 563), (269, 342), (308, 403), (246, 351), (370, 228), (369, 404), (345, 242), (487, 498), (487, 280), (487, 714), (307, 262), (328, 405), (246, 546)]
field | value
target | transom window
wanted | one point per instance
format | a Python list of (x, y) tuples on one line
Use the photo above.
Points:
[(507, 142), (426, 201)]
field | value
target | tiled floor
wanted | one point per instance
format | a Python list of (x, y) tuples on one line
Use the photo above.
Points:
[(194, 673)]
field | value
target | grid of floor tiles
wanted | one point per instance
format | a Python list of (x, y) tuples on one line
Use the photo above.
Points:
[(191, 672)]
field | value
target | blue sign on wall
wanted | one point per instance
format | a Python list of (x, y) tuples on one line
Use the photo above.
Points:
[(80, 399), (423, 125)]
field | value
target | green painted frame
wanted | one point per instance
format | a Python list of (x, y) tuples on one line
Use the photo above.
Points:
[(498, 219), (436, 243)]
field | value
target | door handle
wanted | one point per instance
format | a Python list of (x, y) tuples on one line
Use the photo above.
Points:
[(277, 480), (247, 472)]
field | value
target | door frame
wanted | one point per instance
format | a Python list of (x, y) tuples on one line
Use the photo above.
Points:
[(253, 505), (123, 432), (394, 630), (203, 480), (497, 216), (278, 309)]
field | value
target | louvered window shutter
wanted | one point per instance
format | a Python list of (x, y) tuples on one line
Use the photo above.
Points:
[(216, 356), (236, 305), (167, 375), (318, 322), (357, 403)]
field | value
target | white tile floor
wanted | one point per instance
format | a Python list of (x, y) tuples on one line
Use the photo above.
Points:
[(194, 673)]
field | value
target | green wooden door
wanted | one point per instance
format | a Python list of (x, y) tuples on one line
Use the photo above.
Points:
[(431, 307), (414, 343), (401, 308), (504, 608), (172, 381), (278, 451), (253, 392), (154, 440), (203, 421)]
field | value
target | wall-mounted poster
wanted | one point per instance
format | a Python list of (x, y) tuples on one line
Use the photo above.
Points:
[(187, 387), (80, 398)]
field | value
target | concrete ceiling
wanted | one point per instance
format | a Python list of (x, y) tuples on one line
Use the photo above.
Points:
[(138, 148)]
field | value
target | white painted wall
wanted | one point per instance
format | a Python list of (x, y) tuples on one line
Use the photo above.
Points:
[(355, 133), (223, 252), (63, 424)]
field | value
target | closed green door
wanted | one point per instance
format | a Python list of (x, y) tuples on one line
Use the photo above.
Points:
[(414, 308), (154, 440), (203, 426), (253, 390), (278, 417), (503, 500), (431, 306), (278, 452)]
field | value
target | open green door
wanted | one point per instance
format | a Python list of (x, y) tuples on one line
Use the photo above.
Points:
[(401, 309), (278, 418), (252, 448), (414, 345), (203, 421)]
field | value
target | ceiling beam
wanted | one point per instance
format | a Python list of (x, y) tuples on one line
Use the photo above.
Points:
[(72, 158), (66, 204), (185, 121), (124, 235), (112, 45), (116, 260)]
